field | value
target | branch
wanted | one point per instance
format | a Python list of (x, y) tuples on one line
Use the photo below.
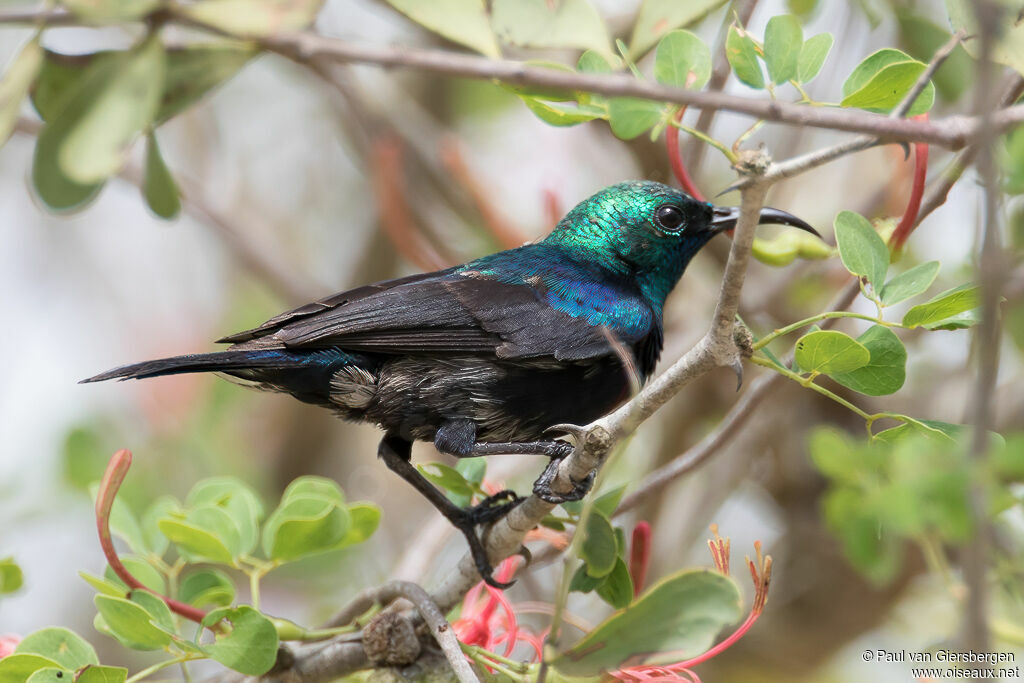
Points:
[(953, 132)]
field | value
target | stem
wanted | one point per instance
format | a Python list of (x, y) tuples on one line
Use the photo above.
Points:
[(676, 122), (782, 331), (675, 157), (149, 670), (764, 362)]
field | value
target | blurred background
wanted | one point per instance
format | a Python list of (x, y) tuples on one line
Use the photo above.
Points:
[(296, 186)]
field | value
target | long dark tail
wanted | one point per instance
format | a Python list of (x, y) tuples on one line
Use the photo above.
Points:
[(222, 361)]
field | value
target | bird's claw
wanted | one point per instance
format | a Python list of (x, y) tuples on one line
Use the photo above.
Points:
[(542, 487), (486, 512), (737, 367), (577, 433)]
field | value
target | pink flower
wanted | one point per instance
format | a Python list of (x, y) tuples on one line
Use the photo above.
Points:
[(8, 643)]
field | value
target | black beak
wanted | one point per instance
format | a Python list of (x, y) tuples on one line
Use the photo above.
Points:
[(725, 218)]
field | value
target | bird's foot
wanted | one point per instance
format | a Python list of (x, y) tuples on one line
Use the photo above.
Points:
[(485, 512), (542, 487)]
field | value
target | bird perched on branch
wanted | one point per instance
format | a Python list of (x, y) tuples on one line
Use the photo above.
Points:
[(485, 357)]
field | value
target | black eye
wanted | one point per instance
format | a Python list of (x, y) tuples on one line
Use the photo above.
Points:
[(669, 218)]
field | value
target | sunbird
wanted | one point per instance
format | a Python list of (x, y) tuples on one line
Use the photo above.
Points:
[(486, 357)]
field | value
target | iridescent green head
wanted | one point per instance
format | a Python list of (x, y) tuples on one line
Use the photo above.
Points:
[(648, 231)]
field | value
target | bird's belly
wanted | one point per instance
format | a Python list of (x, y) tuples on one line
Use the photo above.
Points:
[(508, 401)]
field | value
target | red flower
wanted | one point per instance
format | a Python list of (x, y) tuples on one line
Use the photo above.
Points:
[(8, 643)]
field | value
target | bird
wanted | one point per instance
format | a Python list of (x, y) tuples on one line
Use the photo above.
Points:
[(486, 357)]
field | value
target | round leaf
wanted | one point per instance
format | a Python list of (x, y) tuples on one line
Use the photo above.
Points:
[(682, 613), (11, 577), (657, 17), (830, 352), (130, 623), (599, 549), (207, 587), (17, 668), (861, 249), (617, 587), (742, 56), (68, 649), (882, 80), (944, 309), (812, 56), (683, 60), (783, 40), (539, 23), (250, 647), (885, 372), (909, 284), (630, 117), (303, 527), (364, 518), (461, 21)]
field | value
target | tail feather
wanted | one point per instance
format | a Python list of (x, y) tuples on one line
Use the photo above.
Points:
[(222, 361)]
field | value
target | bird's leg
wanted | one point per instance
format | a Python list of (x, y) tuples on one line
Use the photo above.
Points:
[(458, 438), (396, 453)]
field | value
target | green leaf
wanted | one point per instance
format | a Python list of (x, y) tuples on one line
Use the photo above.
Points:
[(885, 372), (812, 56), (861, 249), (159, 613), (539, 23), (251, 645), (1009, 44), (254, 18), (944, 309), (607, 502), (317, 487), (599, 549), (881, 81), (110, 11), (683, 613), (683, 60), (783, 40), (50, 675), (102, 674), (304, 526), (461, 21), (473, 470), (922, 38), (630, 117), (742, 56), (594, 62), (130, 623), (196, 542), (104, 586), (206, 588), (64, 647), (98, 141), (15, 85), (11, 578), (235, 498), (162, 507), (195, 70), (141, 570), (942, 432), (834, 456), (582, 582), (560, 113), (909, 284), (447, 478), (617, 587), (363, 518), (66, 90), (658, 17), (830, 352), (17, 668)]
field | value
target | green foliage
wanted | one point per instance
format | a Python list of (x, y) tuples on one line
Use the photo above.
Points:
[(946, 311), (885, 371), (1009, 44), (783, 40), (909, 284), (907, 483), (682, 613), (658, 17), (59, 645), (829, 352), (254, 18), (883, 79), (861, 249), (11, 578), (599, 549), (250, 646), (538, 23), (461, 21), (682, 60), (134, 625), (742, 55), (15, 85), (813, 55), (921, 37), (631, 117)]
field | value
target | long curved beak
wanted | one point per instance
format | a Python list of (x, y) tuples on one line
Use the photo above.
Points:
[(725, 218)]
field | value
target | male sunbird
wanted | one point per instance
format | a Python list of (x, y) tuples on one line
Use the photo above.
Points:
[(485, 357)]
